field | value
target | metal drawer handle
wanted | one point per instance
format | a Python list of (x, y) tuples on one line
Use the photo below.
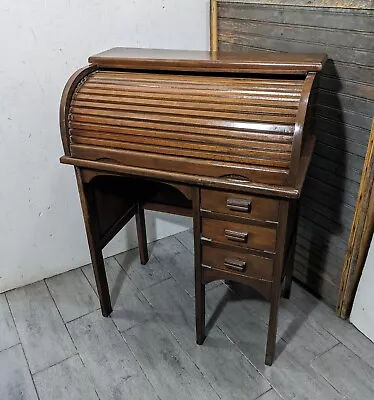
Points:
[(239, 205), (236, 236), (235, 264)]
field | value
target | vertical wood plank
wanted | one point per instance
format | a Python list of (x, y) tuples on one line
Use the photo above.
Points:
[(213, 25), (353, 264)]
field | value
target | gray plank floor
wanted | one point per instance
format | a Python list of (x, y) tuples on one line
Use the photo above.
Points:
[(54, 343)]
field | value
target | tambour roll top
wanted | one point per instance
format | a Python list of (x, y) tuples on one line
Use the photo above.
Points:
[(235, 117)]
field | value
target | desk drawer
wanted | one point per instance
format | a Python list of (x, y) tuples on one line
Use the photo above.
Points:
[(247, 206), (248, 236), (239, 263)]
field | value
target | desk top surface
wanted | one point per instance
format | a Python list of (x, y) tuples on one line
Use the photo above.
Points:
[(180, 60)]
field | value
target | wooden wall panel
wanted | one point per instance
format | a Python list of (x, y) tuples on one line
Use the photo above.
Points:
[(343, 112)]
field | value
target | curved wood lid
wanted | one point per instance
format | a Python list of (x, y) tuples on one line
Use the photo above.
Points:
[(180, 60)]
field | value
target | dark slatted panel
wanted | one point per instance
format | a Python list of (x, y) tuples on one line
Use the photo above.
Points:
[(246, 122), (343, 112)]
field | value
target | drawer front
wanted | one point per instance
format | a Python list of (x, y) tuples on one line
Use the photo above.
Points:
[(247, 265), (247, 206), (248, 236)]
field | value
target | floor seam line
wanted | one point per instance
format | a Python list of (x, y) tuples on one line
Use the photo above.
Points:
[(10, 347), (53, 365), (181, 241), (83, 315)]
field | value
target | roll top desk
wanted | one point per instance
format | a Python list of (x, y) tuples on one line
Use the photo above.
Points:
[(222, 137)]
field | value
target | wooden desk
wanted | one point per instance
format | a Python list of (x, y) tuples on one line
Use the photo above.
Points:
[(221, 137)]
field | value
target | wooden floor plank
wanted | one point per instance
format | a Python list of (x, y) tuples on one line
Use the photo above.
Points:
[(228, 371), (8, 332), (109, 362), (130, 308), (349, 374), (15, 382), (343, 331), (304, 339), (246, 329), (167, 366), (176, 259), (67, 380), (41, 329), (179, 261), (142, 275), (73, 294), (186, 238), (291, 378), (270, 395)]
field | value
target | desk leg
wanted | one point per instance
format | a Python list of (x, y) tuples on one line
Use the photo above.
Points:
[(199, 285), (289, 271), (291, 259), (88, 203), (142, 234), (276, 286)]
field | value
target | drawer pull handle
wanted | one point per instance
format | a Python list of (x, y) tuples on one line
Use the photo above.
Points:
[(235, 264), (239, 205), (236, 236)]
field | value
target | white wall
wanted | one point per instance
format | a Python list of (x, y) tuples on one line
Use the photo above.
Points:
[(362, 315), (42, 42)]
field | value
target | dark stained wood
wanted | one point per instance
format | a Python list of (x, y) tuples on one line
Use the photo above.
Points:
[(166, 208), (109, 234), (270, 111), (299, 127), (291, 236), (249, 236), (239, 250), (142, 234), (66, 98), (203, 61), (276, 285), (256, 207), (240, 220), (89, 210), (228, 184), (263, 287), (254, 266), (199, 284), (171, 163), (219, 137)]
